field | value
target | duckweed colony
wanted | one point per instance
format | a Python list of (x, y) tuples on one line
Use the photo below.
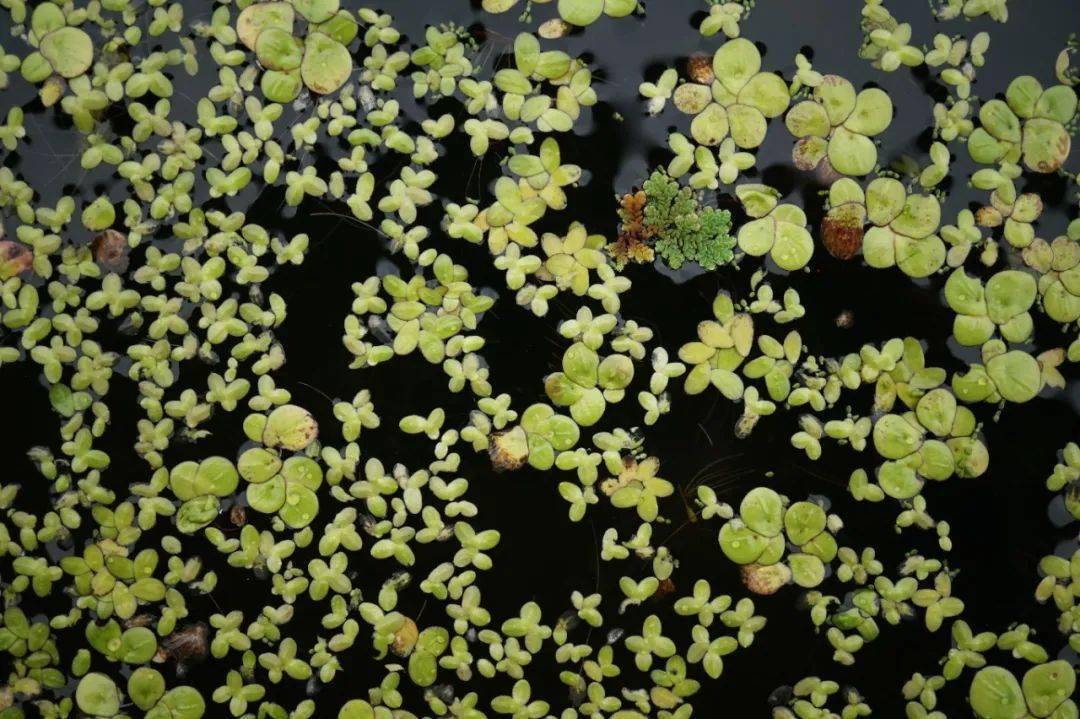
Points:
[(580, 358)]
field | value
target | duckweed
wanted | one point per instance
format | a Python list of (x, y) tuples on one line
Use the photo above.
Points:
[(269, 540)]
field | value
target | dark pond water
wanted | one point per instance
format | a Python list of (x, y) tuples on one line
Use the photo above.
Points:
[(1000, 521)]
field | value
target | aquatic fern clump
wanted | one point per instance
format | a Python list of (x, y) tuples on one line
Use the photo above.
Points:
[(682, 229)]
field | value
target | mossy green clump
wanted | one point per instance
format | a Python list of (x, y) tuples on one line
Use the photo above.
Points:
[(685, 231)]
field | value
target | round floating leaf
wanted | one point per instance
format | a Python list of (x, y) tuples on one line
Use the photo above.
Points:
[(1000, 121), (279, 50), (619, 8), (581, 12), (711, 126), (851, 153), (179, 703), (341, 27), (300, 507), (895, 437), (1009, 293), (762, 510), (1016, 375), (757, 236), (267, 497), (588, 410), (837, 95), (46, 18), (803, 521), (898, 480), (692, 98), (809, 152), (98, 695), (920, 217), (581, 364), (423, 668), (290, 427), (806, 570), (872, 114), (1047, 686), (260, 16), (793, 248), (748, 126), (1058, 103), (879, 247), (1046, 145), (182, 481), (986, 149), (145, 686), (216, 476), (356, 709), (497, 6), (327, 63), (920, 258), (808, 118), (735, 62), (561, 390), (884, 200), (995, 694), (741, 544), (936, 460), (1022, 95), (283, 87), (69, 50), (137, 645), (965, 294), (936, 411), (257, 465), (316, 10), (35, 68), (616, 372), (766, 92)]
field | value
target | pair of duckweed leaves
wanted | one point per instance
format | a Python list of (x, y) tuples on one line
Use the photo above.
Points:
[(838, 124), (63, 50), (536, 439), (1045, 690), (200, 486), (285, 433), (1029, 124), (934, 441), (1009, 375), (766, 525), (320, 61), (587, 383), (723, 345), (1058, 263), (286, 488), (903, 226), (738, 103), (579, 13), (97, 695), (1001, 305)]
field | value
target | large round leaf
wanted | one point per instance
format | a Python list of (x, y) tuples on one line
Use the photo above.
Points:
[(327, 63)]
